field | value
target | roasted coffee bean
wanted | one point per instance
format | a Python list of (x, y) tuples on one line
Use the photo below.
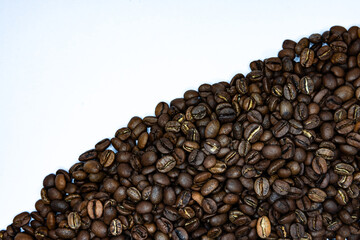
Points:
[(297, 231), (263, 227), (344, 169), (95, 209), (280, 128), (179, 233), (281, 187), (317, 195), (273, 64), (74, 220), (209, 205), (65, 233), (212, 146), (23, 236), (307, 57), (107, 158), (306, 85), (166, 164), (21, 219), (253, 132), (261, 187), (116, 227), (164, 225), (139, 232), (271, 152)]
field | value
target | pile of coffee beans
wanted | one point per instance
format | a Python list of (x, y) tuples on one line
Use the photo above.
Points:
[(273, 154)]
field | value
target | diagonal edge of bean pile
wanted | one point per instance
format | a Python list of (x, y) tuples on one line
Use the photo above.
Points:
[(273, 155)]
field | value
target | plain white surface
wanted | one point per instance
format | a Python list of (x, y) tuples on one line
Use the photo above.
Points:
[(73, 72)]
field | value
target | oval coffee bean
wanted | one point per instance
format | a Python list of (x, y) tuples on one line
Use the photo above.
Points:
[(317, 195), (263, 227)]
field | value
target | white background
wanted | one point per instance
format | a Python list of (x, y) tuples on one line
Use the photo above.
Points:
[(73, 72)]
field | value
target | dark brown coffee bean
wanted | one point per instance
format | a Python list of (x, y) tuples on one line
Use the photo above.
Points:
[(88, 155), (253, 132), (319, 165), (212, 129), (74, 220), (21, 219), (273, 64), (164, 225), (164, 145), (219, 167), (139, 232), (165, 164), (343, 169), (212, 146), (353, 139), (144, 207), (209, 205), (281, 187), (261, 187), (244, 148), (92, 166), (107, 158), (59, 206), (183, 199), (317, 195), (280, 128), (306, 85), (307, 57), (179, 233), (297, 231), (345, 126), (271, 152), (23, 236), (209, 187), (186, 212), (65, 233), (116, 227)]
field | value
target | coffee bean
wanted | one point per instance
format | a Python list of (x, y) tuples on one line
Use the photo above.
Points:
[(209, 205), (107, 158), (99, 229), (21, 219), (95, 209), (164, 225), (209, 187), (263, 227), (261, 187), (65, 233), (212, 146), (116, 227), (23, 236), (165, 164), (271, 151), (179, 234), (280, 128), (344, 169), (307, 57), (253, 132), (306, 85), (319, 165), (212, 129), (74, 220), (281, 187), (317, 195)]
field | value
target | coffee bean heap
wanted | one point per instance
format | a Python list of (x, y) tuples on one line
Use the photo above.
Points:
[(272, 155)]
